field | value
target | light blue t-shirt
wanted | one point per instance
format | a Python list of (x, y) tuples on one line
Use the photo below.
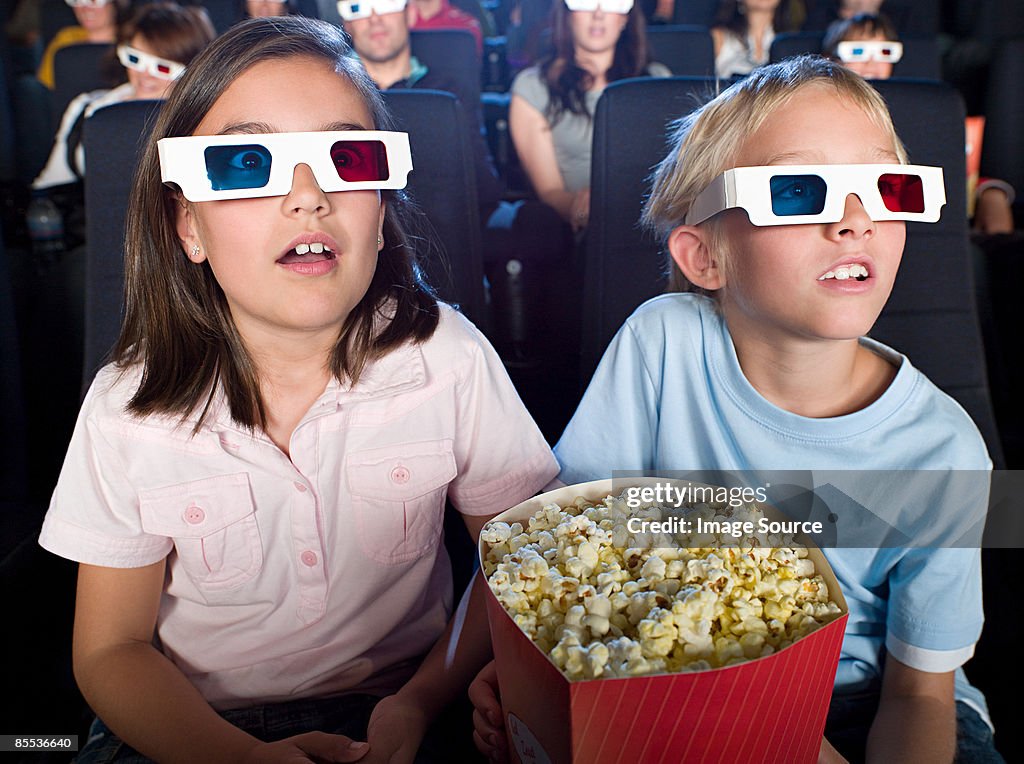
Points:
[(669, 394)]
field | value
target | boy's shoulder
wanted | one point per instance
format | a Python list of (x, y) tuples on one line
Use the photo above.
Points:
[(672, 316), (928, 414)]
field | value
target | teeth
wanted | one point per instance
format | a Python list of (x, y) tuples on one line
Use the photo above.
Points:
[(844, 272), (317, 248)]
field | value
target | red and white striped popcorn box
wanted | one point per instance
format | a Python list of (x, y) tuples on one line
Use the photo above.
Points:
[(769, 709)]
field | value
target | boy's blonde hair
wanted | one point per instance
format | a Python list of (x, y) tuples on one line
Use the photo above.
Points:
[(704, 143)]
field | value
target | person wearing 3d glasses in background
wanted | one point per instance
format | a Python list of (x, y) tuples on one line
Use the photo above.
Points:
[(783, 205), (99, 21), (255, 9), (154, 47), (256, 486), (380, 37), (869, 45)]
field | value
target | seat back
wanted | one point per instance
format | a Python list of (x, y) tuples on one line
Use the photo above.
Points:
[(921, 59), (453, 52), (686, 50), (223, 13), (443, 186), (623, 265), (1001, 154), (789, 44), (696, 12), (931, 315), (113, 139), (54, 15), (78, 69)]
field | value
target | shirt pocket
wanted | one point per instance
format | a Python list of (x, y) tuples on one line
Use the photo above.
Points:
[(213, 525), (398, 495)]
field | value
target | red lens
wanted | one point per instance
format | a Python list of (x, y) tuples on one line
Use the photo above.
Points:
[(902, 192), (360, 160), (163, 68)]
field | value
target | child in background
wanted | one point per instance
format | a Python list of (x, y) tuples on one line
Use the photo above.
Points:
[(154, 47), (772, 372), (993, 198), (256, 486)]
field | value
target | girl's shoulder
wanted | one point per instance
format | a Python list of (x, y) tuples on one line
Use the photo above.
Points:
[(529, 84)]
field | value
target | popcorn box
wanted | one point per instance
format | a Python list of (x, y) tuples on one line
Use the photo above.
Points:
[(769, 709)]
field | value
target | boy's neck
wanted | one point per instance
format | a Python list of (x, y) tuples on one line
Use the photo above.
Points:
[(813, 378), (597, 65), (427, 9)]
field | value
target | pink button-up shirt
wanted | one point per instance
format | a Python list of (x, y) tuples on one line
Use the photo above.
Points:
[(314, 575)]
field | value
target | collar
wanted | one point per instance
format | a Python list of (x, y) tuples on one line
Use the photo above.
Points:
[(417, 72)]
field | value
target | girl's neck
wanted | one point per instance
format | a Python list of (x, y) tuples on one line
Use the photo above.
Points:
[(808, 377), (293, 373), (596, 65)]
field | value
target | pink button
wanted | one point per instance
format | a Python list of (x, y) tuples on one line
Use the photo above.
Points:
[(299, 487), (308, 558), (194, 515), (400, 475)]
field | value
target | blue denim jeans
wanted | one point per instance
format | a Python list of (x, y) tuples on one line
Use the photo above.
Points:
[(850, 717), (449, 739)]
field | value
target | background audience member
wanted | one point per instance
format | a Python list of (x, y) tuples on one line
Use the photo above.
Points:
[(993, 198), (98, 22), (166, 31), (743, 34), (255, 9)]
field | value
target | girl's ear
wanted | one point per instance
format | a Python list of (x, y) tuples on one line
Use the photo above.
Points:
[(186, 229), (689, 249)]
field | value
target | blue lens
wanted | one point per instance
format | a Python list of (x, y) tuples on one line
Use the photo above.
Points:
[(132, 58), (797, 194), (858, 51), (235, 167)]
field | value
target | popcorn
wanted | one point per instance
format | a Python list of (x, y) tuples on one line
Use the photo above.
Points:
[(603, 601)]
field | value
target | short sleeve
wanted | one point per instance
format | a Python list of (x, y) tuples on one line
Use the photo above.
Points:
[(529, 86), (501, 455), (935, 608), (615, 426), (94, 512)]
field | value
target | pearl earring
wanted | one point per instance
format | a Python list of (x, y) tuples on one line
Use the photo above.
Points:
[(195, 251)]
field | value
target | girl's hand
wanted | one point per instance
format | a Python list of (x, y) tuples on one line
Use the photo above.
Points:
[(488, 730), (395, 731), (307, 748), (829, 755), (579, 212)]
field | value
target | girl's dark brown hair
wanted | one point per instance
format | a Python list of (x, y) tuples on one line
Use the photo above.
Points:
[(568, 82), (177, 323), (174, 32)]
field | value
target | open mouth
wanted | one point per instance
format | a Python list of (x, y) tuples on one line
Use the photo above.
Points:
[(307, 253), (857, 272)]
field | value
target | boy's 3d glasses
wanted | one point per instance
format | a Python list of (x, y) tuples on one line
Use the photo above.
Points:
[(350, 10), (133, 58), (869, 50), (795, 194), (608, 6), (88, 3), (245, 166)]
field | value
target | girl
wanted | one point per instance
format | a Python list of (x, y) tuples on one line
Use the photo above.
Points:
[(255, 9), (772, 372), (98, 22), (551, 113), (154, 47), (256, 485), (743, 34)]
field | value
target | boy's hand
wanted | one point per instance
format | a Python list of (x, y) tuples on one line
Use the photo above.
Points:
[(395, 731), (829, 755), (488, 730), (307, 748)]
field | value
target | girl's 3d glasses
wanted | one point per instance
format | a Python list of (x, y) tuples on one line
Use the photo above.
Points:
[(133, 58), (795, 194), (350, 10), (87, 3), (608, 6), (869, 50), (244, 166)]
